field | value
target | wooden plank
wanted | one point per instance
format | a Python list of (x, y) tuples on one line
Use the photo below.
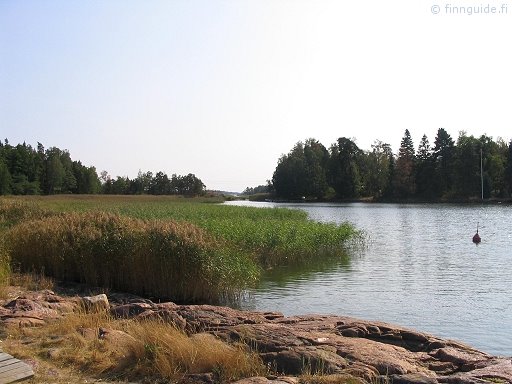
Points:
[(14, 364), (12, 369), (6, 363), (18, 374), (5, 356)]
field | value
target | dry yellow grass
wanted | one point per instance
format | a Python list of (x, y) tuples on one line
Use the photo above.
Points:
[(154, 258), (96, 346)]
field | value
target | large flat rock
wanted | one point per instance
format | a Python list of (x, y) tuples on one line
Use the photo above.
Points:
[(336, 346)]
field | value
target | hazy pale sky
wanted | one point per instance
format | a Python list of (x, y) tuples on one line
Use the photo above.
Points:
[(222, 89)]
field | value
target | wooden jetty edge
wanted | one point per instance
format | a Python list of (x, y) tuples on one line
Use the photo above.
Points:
[(12, 370)]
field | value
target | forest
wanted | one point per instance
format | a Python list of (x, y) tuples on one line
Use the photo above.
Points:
[(25, 170), (445, 170)]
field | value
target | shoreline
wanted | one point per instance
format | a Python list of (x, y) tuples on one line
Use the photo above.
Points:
[(291, 346), (369, 200)]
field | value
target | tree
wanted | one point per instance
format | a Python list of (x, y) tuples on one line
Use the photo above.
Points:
[(444, 152), (192, 186), (343, 168), (87, 181), (160, 184), (141, 184), (374, 169), (41, 167), (289, 178), (69, 182), (508, 169), (404, 184), (255, 190), (425, 169), (5, 178), (494, 164), (188, 185), (466, 166), (121, 186), (302, 172), (316, 158), (55, 172)]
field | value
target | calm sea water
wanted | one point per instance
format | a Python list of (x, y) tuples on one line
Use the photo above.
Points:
[(419, 269)]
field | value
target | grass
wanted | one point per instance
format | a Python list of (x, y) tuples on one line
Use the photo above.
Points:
[(99, 346), (5, 267), (168, 247), (276, 236), (157, 258)]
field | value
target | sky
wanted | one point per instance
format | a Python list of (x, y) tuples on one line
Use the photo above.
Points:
[(223, 88)]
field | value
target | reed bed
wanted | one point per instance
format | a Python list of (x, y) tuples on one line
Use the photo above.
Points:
[(164, 259), (5, 267), (166, 247), (14, 210), (275, 236)]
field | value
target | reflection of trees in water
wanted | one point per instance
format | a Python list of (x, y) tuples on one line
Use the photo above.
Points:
[(280, 276)]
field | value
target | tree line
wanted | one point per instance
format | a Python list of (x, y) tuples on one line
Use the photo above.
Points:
[(25, 170), (444, 170)]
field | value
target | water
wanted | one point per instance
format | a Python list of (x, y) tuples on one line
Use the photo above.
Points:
[(420, 269)]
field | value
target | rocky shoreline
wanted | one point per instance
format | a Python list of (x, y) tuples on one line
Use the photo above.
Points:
[(336, 346)]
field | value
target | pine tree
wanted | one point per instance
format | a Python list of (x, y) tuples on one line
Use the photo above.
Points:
[(404, 185)]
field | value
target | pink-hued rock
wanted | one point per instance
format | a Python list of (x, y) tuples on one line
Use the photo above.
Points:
[(336, 346)]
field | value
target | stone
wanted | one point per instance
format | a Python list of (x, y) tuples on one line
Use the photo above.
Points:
[(96, 303), (340, 348), (413, 378), (129, 310), (268, 380)]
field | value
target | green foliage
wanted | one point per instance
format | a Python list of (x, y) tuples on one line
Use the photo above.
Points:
[(424, 169), (444, 171), (404, 184), (5, 178), (260, 189), (374, 169), (303, 172), (344, 169), (508, 170), (28, 171)]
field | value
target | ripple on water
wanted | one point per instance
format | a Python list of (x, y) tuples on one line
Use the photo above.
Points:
[(419, 269)]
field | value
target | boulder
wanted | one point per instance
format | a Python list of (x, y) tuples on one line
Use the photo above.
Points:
[(96, 303)]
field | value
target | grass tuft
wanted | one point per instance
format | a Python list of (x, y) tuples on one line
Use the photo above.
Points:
[(96, 345)]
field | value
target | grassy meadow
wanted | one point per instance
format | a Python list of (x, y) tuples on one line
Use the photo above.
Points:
[(186, 250)]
